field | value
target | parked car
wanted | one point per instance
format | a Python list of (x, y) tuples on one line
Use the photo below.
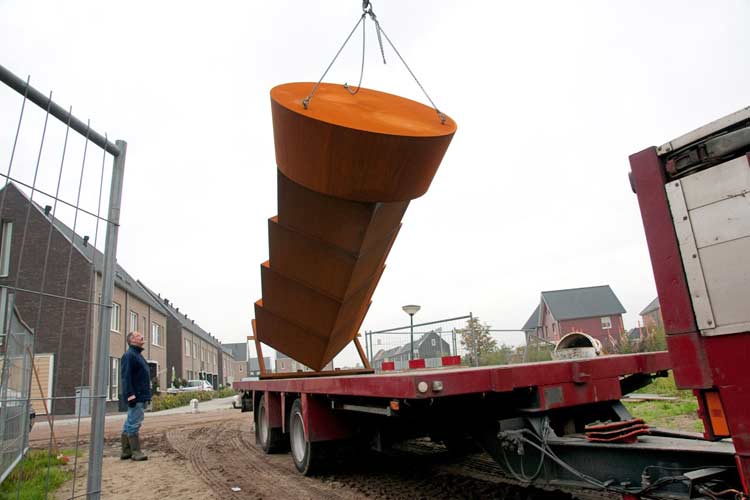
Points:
[(198, 385)]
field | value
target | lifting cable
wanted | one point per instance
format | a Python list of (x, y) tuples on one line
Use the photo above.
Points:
[(367, 11)]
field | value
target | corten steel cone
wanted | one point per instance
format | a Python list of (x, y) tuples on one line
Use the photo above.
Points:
[(348, 167)]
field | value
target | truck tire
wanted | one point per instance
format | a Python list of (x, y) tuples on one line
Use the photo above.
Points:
[(270, 439), (308, 457)]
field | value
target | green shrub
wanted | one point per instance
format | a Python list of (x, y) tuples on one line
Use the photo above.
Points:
[(225, 392), (167, 401)]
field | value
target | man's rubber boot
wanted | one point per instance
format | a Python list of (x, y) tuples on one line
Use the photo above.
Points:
[(125, 442), (135, 449)]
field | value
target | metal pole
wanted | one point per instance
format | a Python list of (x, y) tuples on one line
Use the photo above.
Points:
[(411, 329), (367, 348), (474, 340), (41, 100), (96, 445), (526, 349)]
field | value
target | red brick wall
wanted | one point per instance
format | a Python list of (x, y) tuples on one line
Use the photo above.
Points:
[(550, 327), (652, 320), (593, 327), (59, 328)]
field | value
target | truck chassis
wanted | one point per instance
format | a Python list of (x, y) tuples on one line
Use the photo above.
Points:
[(530, 418)]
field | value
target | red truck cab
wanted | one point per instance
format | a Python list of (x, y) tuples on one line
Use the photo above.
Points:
[(694, 196)]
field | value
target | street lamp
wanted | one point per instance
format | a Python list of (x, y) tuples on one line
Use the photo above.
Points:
[(411, 310)]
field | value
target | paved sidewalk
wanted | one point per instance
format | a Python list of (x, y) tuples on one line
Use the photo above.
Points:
[(203, 407)]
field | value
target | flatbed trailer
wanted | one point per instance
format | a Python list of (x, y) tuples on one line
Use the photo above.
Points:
[(528, 417), (561, 424)]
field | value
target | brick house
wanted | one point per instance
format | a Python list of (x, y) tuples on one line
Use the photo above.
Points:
[(231, 369), (191, 351), (236, 355), (593, 310), (651, 316), (65, 332), (285, 364)]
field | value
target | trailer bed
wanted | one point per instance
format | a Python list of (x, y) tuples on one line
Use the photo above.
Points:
[(560, 383)]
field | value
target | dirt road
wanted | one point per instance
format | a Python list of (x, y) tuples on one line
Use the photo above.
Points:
[(204, 456)]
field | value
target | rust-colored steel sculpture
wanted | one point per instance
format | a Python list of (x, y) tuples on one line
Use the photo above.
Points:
[(347, 168)]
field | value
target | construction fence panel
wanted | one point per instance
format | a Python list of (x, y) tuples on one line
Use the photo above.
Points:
[(60, 191), (16, 414), (430, 341)]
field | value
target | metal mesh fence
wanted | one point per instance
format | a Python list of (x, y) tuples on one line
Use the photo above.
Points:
[(431, 341), (16, 410), (59, 204)]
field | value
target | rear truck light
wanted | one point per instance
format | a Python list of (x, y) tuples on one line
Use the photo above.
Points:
[(437, 386), (715, 414), (422, 387), (395, 406)]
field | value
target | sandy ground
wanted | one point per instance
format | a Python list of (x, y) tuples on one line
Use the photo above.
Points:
[(202, 456)]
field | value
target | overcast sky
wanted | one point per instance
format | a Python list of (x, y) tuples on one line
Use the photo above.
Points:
[(550, 99)]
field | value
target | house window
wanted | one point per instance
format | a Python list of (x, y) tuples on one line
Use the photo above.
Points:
[(195, 350), (156, 335), (3, 311), (5, 240), (114, 379), (115, 320), (433, 342), (215, 359), (606, 323), (187, 348), (133, 323)]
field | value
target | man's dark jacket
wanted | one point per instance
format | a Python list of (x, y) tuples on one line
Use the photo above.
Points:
[(135, 379)]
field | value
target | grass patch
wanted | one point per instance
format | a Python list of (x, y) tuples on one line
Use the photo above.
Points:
[(681, 414), (32, 472), (665, 386)]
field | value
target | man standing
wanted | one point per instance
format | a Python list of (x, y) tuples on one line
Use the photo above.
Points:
[(136, 393)]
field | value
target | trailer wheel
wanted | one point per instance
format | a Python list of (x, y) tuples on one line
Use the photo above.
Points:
[(271, 440), (307, 456)]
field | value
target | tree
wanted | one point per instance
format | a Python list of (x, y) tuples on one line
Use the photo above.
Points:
[(476, 339)]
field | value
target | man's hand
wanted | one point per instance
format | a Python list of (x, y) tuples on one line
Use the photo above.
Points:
[(131, 401)]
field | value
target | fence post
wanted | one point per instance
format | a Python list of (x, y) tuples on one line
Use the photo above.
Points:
[(474, 339), (96, 440)]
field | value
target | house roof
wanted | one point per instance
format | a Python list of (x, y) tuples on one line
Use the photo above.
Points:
[(634, 334), (187, 323), (418, 343), (651, 307), (123, 279), (254, 366), (533, 322), (238, 350), (395, 351), (585, 302)]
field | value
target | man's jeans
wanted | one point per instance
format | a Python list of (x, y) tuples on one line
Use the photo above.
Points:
[(134, 420)]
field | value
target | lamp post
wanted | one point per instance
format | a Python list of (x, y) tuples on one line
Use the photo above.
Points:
[(411, 310)]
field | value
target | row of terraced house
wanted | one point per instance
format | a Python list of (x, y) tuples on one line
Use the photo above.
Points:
[(65, 332)]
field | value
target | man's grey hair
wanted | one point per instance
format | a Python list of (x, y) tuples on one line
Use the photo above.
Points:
[(130, 336)]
